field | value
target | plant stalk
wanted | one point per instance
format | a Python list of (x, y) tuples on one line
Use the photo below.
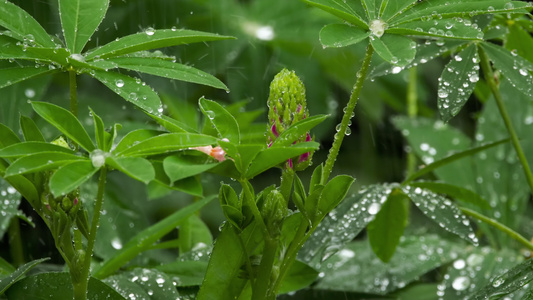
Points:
[(513, 234), (287, 178), (262, 288), (412, 112), (15, 243), (80, 291), (489, 77), (339, 136), (73, 93)]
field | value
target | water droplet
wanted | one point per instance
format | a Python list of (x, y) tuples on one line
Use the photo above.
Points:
[(30, 93), (459, 264), (116, 243), (374, 208), (98, 158), (265, 33), (119, 83), (461, 283), (149, 31), (523, 72), (498, 282), (378, 27)]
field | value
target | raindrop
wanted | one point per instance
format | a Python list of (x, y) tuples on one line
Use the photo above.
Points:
[(30, 93), (265, 33), (116, 243), (374, 208), (149, 31), (119, 83), (523, 72), (459, 264), (396, 70), (210, 114), (461, 283), (498, 282)]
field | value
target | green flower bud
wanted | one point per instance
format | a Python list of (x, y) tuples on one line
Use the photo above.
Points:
[(287, 105), (274, 211)]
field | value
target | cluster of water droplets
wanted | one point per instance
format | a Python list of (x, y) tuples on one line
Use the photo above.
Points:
[(9, 203), (143, 283)]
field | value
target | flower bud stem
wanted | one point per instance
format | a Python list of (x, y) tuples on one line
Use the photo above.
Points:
[(262, 288), (339, 136)]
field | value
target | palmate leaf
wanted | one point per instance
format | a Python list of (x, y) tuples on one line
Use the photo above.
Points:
[(507, 283), (395, 7), (9, 76), (163, 68), (70, 176), (134, 137), (25, 27), (30, 131), (5, 283), (152, 39), (178, 167), (65, 121), (79, 20), (167, 142), (131, 89), (515, 68), (297, 130), (351, 11), (154, 285), (442, 29), (10, 200), (40, 162), (28, 148), (457, 82), (341, 35), (135, 167), (456, 8), (396, 49)]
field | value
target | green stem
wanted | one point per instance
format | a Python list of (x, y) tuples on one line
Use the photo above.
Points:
[(73, 93), (489, 77), (287, 177), (339, 136), (513, 234), (261, 286), (297, 243), (15, 242), (412, 112), (82, 288)]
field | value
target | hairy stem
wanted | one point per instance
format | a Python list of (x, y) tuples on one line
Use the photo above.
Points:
[(261, 286), (489, 77), (82, 288), (287, 177), (513, 234), (339, 136)]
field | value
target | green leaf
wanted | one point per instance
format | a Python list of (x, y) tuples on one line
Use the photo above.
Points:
[(457, 8), (29, 148), (333, 193), (30, 130), (515, 68), (134, 137), (350, 12), (101, 135), (135, 167), (164, 68), (344, 223), (10, 200), (457, 82), (23, 25), (145, 239), (519, 41), (451, 158), (242, 155), (20, 183), (222, 280), (40, 162), (443, 212), (65, 121), (457, 192), (396, 7), (316, 178), (190, 273), (142, 283), (7, 137), (58, 286), (5, 268), (231, 205), (193, 233), (221, 119), (341, 35), (385, 231), (5, 283), (152, 39), (395, 49), (79, 20), (299, 276), (9, 76), (297, 130), (442, 29), (355, 268), (273, 156), (507, 283), (131, 89), (370, 8), (167, 142), (178, 167), (70, 176), (171, 124)]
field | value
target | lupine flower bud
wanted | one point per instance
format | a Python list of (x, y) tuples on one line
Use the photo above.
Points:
[(274, 211), (287, 105)]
